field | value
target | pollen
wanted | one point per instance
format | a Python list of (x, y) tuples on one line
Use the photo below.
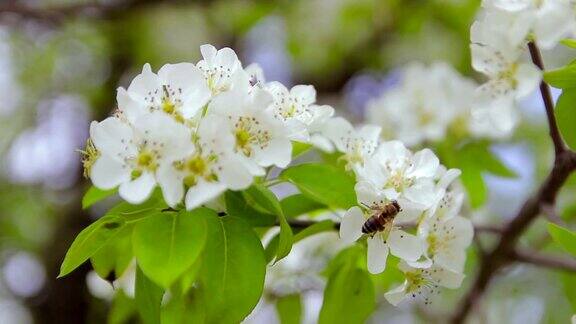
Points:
[(433, 244), (168, 106), (249, 134), (146, 160), (89, 156), (197, 165)]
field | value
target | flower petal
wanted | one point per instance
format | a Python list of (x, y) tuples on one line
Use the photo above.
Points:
[(351, 225), (306, 94), (528, 77), (425, 164), (107, 173), (137, 191), (448, 177), (422, 192), (452, 260), (447, 278), (405, 246), (367, 194), (111, 136), (409, 213), (203, 192), (170, 180), (187, 78), (397, 295), (377, 254), (278, 153), (235, 174)]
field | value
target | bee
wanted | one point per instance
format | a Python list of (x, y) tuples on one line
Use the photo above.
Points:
[(382, 215)]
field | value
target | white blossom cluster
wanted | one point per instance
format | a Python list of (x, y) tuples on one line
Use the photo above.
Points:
[(428, 103), (434, 256), (199, 129), (196, 130), (499, 44)]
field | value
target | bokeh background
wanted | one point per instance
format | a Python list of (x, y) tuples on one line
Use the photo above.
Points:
[(62, 60)]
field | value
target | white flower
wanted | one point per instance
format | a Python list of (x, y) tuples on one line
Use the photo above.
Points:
[(446, 239), (256, 75), (391, 239), (356, 144), (222, 69), (296, 109), (423, 105), (493, 118), (551, 20), (423, 283), (316, 129), (402, 174), (293, 107), (450, 198), (208, 171), (496, 51), (178, 90), (130, 156), (258, 135)]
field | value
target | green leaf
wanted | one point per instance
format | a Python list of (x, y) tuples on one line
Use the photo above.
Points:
[(90, 240), (299, 148), (134, 213), (94, 195), (237, 206), (148, 297), (189, 277), (289, 309), (271, 249), (113, 259), (349, 288), (569, 283), (115, 256), (562, 78), (479, 153), (266, 199), (233, 269), (566, 116), (569, 42), (166, 244), (564, 237), (184, 309), (324, 183), (322, 226), (474, 159), (299, 204), (123, 309), (474, 184), (352, 255)]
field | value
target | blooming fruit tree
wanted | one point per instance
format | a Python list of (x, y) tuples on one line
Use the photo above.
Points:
[(197, 153)]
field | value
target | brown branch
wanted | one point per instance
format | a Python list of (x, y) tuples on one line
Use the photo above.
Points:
[(551, 214), (564, 165), (559, 145), (548, 261)]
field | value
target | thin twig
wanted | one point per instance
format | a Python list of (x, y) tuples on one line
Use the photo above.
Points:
[(559, 145), (550, 213), (564, 165), (548, 261)]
